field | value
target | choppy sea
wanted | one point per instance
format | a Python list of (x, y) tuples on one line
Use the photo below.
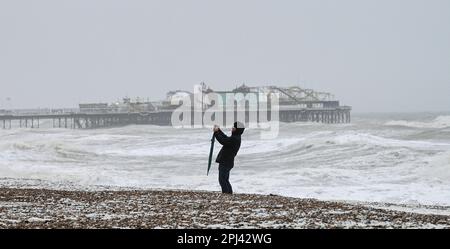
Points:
[(401, 158)]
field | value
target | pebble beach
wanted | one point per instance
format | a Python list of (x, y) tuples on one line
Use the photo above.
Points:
[(127, 209)]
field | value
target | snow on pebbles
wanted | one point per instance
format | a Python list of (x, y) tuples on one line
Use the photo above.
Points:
[(45, 208)]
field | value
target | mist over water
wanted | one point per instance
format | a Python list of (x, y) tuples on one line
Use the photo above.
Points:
[(396, 158)]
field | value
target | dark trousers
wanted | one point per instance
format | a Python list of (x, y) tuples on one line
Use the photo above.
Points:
[(224, 176)]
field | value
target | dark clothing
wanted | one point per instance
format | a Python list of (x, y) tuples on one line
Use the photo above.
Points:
[(230, 147), (224, 176), (226, 155)]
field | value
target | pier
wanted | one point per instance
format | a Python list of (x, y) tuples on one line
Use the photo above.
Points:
[(332, 115), (85, 120), (295, 104)]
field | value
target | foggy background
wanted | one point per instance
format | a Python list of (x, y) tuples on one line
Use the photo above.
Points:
[(388, 55)]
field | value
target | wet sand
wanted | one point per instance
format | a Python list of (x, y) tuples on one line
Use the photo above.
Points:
[(45, 208)]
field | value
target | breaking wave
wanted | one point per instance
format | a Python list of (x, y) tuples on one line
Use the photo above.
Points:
[(437, 123)]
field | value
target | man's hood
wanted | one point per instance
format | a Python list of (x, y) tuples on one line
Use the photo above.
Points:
[(239, 128)]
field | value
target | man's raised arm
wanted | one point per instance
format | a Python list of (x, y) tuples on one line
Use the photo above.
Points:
[(221, 137)]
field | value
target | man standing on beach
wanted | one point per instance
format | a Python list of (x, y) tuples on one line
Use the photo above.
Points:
[(226, 156)]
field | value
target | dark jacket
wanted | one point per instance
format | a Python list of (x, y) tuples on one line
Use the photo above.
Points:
[(230, 147)]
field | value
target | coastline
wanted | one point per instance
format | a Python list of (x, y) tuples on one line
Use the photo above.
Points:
[(49, 208)]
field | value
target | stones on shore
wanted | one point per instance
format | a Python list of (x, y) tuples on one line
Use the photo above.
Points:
[(43, 208)]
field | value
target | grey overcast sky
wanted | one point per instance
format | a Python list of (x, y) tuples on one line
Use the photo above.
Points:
[(376, 55)]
